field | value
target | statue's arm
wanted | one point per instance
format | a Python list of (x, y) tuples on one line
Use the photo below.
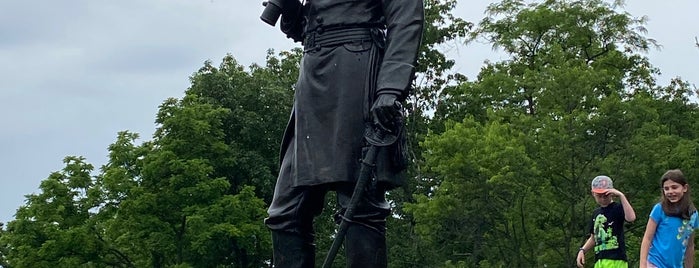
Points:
[(404, 25), (292, 17)]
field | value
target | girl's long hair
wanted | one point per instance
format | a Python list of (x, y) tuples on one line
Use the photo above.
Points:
[(683, 208)]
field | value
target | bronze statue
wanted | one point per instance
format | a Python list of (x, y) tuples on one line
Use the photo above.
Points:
[(358, 64)]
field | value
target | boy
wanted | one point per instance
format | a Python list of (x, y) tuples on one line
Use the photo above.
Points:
[(607, 226)]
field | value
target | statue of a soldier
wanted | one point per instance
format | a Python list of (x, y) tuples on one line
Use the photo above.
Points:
[(358, 64)]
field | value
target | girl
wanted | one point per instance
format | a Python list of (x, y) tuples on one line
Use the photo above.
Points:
[(669, 238)]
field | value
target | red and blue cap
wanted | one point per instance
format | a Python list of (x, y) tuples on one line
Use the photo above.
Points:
[(601, 184)]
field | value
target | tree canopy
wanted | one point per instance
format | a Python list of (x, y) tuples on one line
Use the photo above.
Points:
[(500, 164)]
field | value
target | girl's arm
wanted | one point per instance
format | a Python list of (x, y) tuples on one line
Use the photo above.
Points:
[(645, 243), (689, 252)]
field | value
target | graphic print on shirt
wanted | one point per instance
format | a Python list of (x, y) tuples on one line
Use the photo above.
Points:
[(604, 239), (684, 232)]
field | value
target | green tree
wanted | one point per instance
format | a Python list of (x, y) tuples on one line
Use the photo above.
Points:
[(500, 165), (571, 92), (210, 148), (482, 169), (433, 75), (57, 227), (187, 198), (176, 199), (259, 100), (4, 247)]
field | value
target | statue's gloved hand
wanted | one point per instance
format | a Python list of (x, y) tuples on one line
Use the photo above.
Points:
[(292, 15), (386, 111)]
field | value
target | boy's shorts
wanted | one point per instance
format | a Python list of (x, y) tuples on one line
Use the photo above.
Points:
[(604, 263)]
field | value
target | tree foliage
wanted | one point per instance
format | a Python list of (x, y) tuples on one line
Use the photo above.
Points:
[(193, 196), (577, 100), (500, 165)]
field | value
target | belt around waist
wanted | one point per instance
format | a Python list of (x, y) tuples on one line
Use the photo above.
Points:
[(317, 39)]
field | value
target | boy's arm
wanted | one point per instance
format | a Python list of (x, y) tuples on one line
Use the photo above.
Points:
[(629, 213), (689, 252), (589, 244)]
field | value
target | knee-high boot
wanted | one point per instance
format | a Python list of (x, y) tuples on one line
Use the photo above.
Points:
[(365, 247), (292, 250)]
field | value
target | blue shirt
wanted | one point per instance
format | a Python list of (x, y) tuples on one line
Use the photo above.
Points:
[(671, 237)]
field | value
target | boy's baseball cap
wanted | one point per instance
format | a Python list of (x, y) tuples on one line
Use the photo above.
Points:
[(600, 184)]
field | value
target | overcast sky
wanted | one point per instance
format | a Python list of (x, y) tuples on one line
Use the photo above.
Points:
[(74, 73)]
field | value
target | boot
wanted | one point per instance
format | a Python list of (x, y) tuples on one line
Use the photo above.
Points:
[(291, 250), (365, 247)]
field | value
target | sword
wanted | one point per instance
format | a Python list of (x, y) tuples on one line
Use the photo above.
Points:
[(377, 136)]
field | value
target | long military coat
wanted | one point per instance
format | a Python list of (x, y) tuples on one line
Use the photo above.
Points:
[(337, 85)]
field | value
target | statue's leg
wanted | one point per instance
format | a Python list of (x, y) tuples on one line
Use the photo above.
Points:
[(291, 223), (365, 247), (292, 250), (290, 218), (365, 241)]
